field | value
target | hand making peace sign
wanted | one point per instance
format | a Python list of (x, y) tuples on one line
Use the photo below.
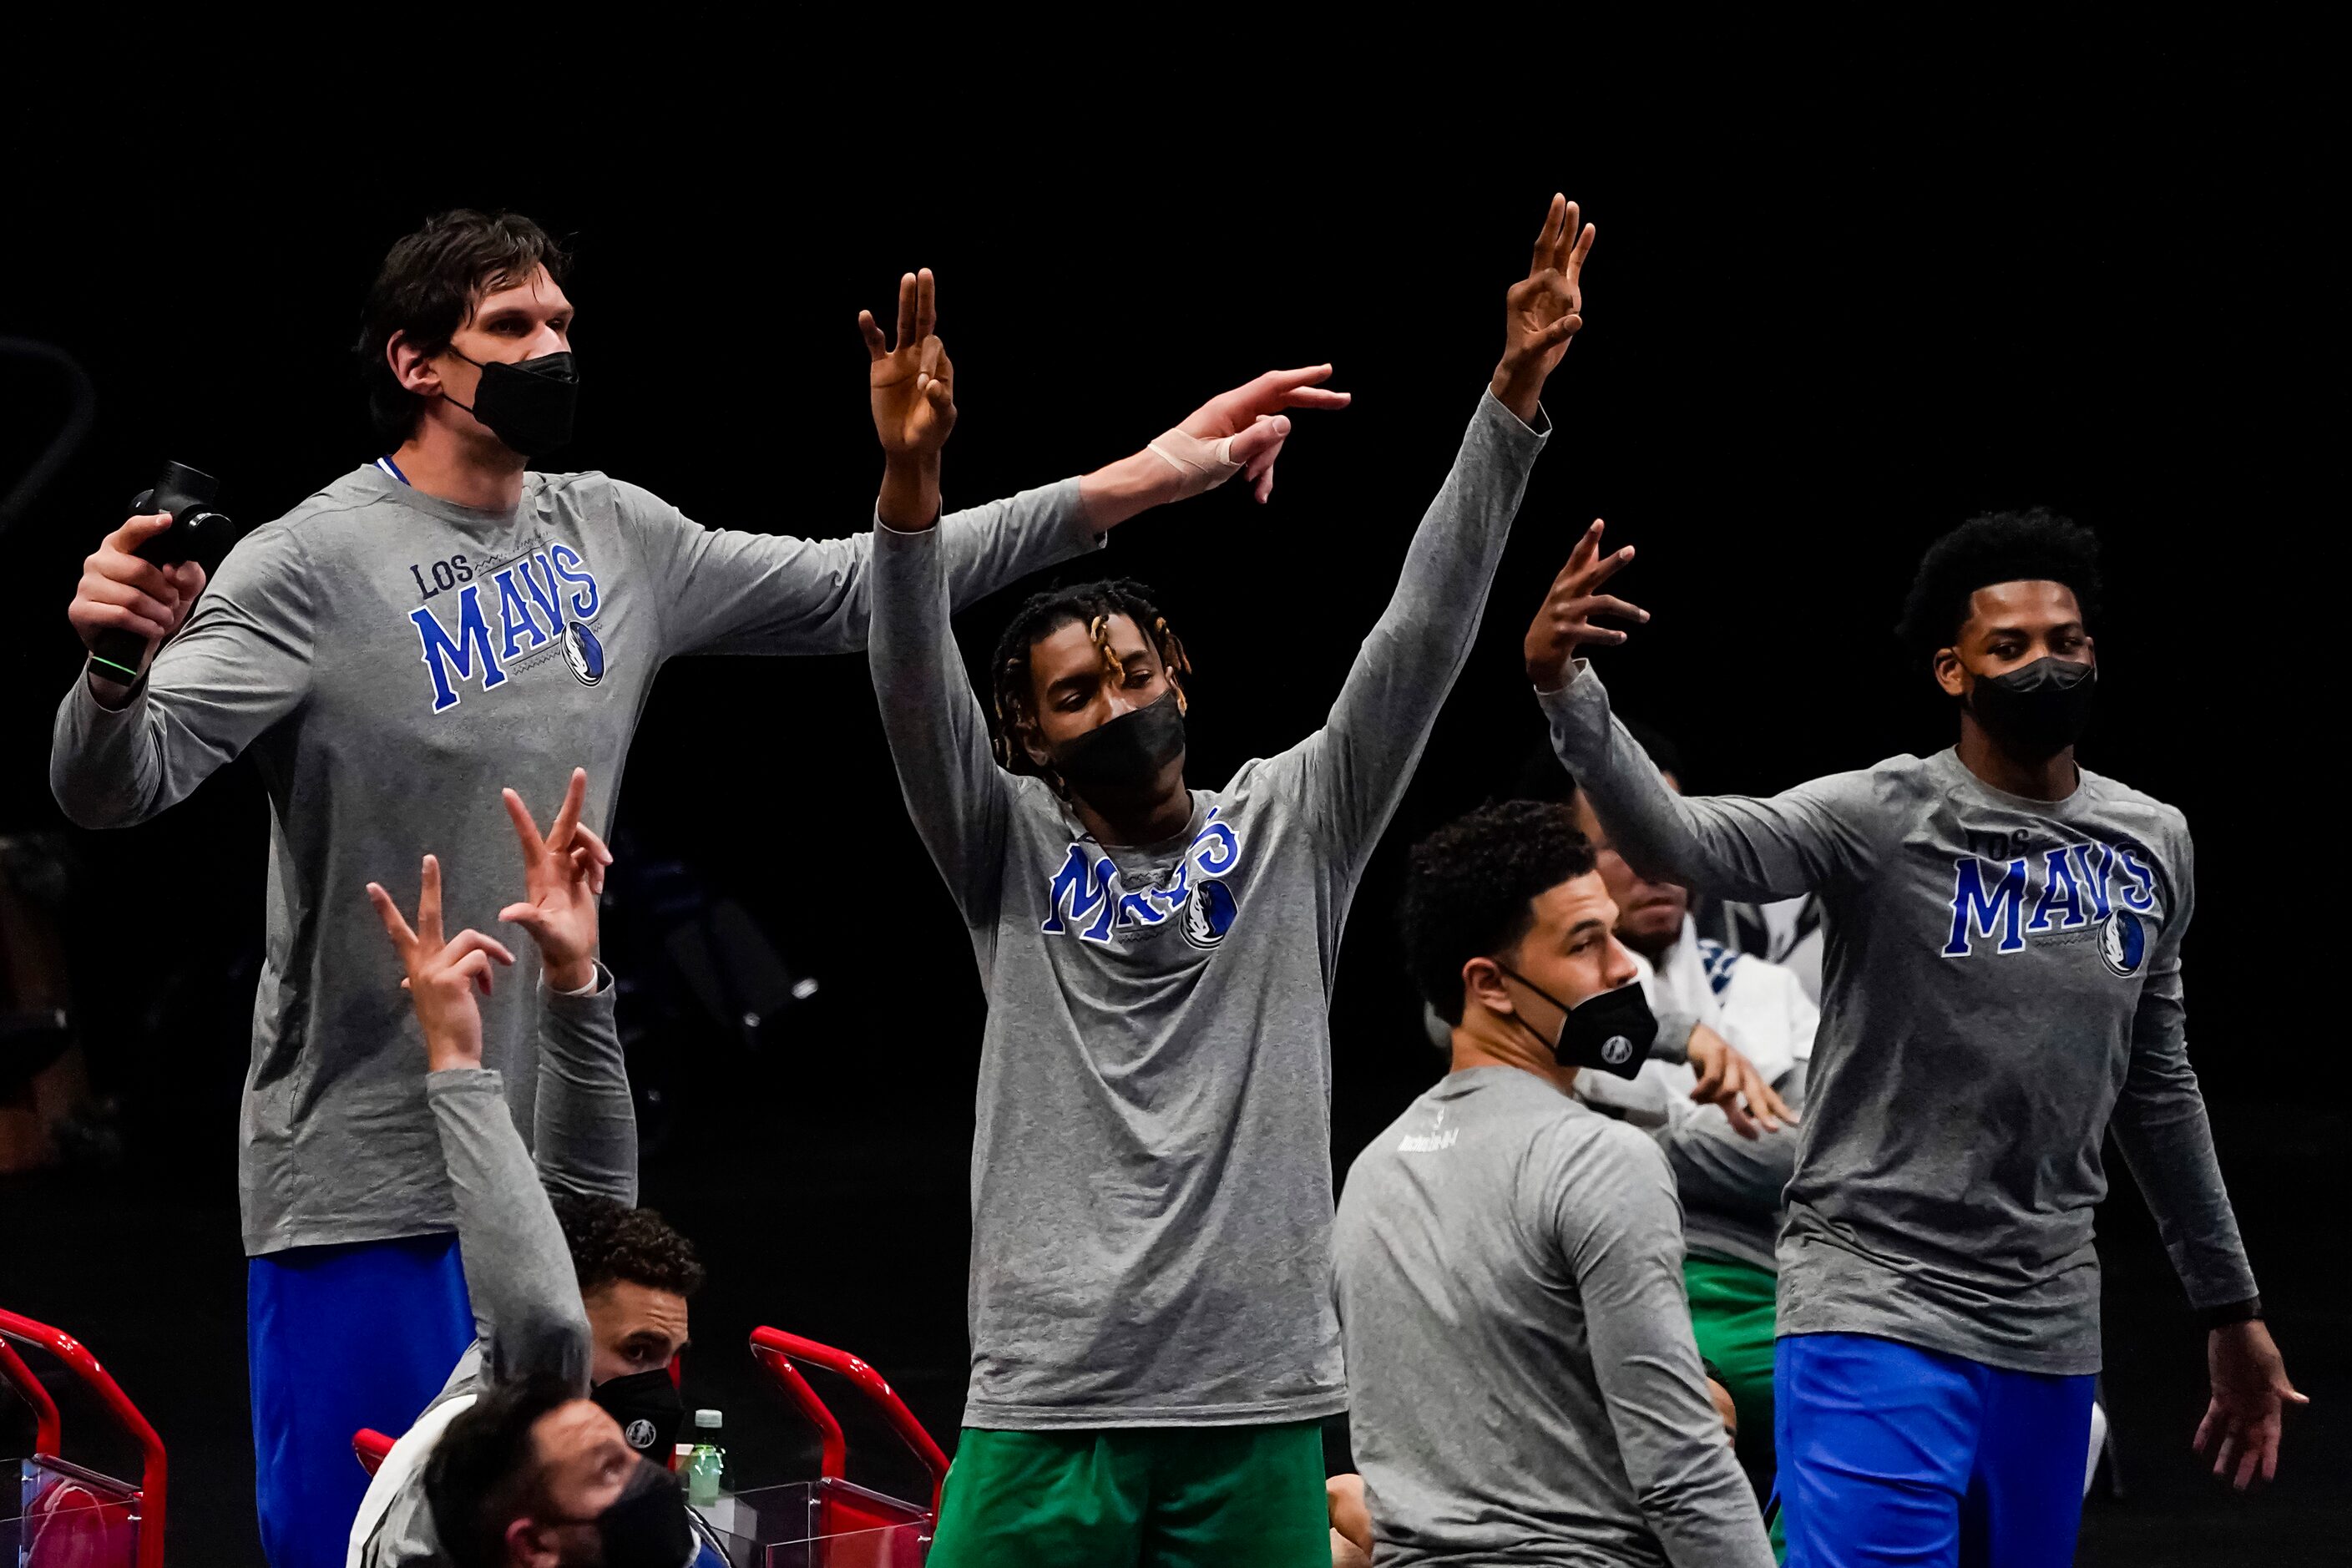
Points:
[(1564, 622)]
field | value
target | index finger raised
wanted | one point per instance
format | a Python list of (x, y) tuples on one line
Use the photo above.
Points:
[(525, 830), (428, 904), (394, 926), (567, 815)]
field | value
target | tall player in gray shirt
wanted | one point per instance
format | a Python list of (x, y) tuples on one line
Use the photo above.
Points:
[(423, 631), (1508, 1264), (1152, 1339), (2001, 983)]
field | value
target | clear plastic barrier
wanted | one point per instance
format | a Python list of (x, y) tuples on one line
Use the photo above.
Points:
[(819, 1524), (62, 1516)]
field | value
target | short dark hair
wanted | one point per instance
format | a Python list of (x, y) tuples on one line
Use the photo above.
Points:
[(1091, 606), (484, 1473), (2037, 545), (1470, 890), (427, 288), (611, 1241)]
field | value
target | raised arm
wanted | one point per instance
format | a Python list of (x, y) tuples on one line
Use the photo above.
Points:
[(236, 661), (1620, 1232), (527, 1308), (1355, 769), (585, 1136), (959, 798), (2159, 1122), (727, 591), (1732, 845)]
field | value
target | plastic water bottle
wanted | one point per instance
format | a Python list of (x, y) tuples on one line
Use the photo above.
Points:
[(708, 1466)]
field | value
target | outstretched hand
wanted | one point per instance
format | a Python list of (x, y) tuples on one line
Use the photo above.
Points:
[(1543, 310), (1727, 1078), (443, 977), (1564, 622), (562, 877), (2251, 1389), (1252, 415)]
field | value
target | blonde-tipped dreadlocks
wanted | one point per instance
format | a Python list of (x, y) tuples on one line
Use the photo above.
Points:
[(1091, 606)]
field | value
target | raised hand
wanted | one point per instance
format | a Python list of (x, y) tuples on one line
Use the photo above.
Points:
[(564, 876), (1543, 310), (120, 591), (1564, 622), (2241, 1424), (1727, 1078), (1252, 415), (910, 382), (443, 977)]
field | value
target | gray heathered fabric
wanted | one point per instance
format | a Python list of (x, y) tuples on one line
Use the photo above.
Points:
[(305, 652), (526, 1296), (1949, 1162), (1731, 1186), (1525, 1387), (1151, 1170)]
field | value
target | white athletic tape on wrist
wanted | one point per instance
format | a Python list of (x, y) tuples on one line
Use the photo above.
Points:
[(1204, 465)]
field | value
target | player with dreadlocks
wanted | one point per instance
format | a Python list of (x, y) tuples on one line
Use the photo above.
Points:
[(1154, 1343), (2001, 983)]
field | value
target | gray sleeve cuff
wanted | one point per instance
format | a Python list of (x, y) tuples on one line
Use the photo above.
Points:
[(1675, 1030)]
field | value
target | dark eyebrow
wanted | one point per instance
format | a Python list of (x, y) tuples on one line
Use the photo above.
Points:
[(1580, 927)]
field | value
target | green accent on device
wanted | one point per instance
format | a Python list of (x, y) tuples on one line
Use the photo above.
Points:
[(130, 675)]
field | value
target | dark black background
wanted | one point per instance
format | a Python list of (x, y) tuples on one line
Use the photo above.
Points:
[(1847, 293)]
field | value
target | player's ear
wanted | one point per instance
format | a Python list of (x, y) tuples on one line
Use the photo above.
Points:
[(1032, 744), (411, 366), (1947, 672), (1482, 981)]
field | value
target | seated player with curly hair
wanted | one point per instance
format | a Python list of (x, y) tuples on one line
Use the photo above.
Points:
[(2001, 983), (1507, 1261), (548, 1444)]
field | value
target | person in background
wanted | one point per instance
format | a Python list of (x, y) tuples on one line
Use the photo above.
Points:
[(2001, 983), (577, 1292), (1506, 1263)]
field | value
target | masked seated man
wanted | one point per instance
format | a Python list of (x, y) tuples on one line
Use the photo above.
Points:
[(1507, 1262), (548, 1445)]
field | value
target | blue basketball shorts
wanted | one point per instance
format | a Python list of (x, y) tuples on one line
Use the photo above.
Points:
[(1891, 1454), (337, 1338)]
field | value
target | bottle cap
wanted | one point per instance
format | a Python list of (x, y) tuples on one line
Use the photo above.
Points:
[(705, 1418)]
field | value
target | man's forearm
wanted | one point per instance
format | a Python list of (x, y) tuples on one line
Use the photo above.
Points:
[(1117, 491), (909, 499)]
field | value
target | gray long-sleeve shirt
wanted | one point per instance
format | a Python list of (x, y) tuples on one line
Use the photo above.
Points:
[(1151, 1171), (390, 661), (528, 1316), (2002, 979), (1508, 1266)]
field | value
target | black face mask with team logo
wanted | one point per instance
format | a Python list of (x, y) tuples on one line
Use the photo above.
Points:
[(1613, 1031), (648, 1406)]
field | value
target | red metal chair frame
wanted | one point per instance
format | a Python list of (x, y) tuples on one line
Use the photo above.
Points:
[(49, 1428), (776, 1351)]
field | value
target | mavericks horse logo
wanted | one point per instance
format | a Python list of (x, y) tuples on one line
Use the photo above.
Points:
[(584, 653), (2124, 942)]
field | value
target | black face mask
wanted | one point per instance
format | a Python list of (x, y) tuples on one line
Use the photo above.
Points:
[(648, 1406), (1613, 1031), (646, 1526), (527, 404), (1125, 757), (2036, 709)]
